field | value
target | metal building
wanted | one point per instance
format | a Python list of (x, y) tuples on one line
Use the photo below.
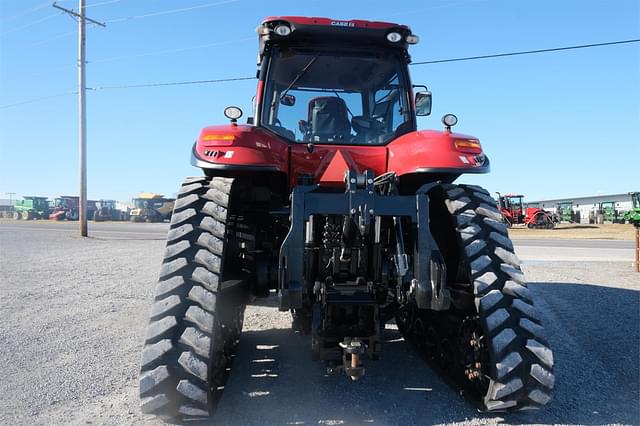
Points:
[(588, 207)]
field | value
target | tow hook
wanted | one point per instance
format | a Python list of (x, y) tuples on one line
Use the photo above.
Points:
[(352, 348)]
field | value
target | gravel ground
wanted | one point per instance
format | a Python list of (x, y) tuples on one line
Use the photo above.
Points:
[(577, 231), (75, 311)]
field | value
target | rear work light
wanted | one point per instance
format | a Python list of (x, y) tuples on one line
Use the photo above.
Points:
[(282, 30), (218, 140), (469, 146), (394, 37)]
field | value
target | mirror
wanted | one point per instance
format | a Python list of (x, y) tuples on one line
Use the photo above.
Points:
[(423, 103), (288, 100)]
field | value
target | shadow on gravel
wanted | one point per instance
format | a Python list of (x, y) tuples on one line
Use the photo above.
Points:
[(593, 330), (268, 302), (126, 239)]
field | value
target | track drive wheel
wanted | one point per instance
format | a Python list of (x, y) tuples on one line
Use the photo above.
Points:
[(195, 321), (491, 343)]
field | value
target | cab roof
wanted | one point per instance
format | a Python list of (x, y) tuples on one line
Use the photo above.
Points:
[(349, 23), (333, 33)]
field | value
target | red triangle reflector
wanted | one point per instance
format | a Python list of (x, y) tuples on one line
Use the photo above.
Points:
[(335, 172)]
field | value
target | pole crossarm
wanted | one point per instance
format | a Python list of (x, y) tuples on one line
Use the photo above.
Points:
[(77, 15)]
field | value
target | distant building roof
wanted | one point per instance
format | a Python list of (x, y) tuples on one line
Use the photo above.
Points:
[(586, 199), (621, 197)]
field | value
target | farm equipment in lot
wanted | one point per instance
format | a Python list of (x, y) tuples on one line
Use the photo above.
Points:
[(633, 216), (6, 212), (514, 213), (31, 208), (332, 198), (106, 210), (609, 213), (67, 207), (150, 207), (565, 213)]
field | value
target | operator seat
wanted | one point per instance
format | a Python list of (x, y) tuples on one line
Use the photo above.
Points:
[(328, 119)]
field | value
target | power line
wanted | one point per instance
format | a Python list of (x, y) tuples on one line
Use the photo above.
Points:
[(62, 35), (55, 37), (31, 24), (173, 83), (26, 12), (437, 61), (526, 52), (555, 49), (29, 101), (128, 18), (170, 11), (144, 54), (102, 3), (163, 52)]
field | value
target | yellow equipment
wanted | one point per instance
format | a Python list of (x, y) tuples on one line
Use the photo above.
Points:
[(151, 207)]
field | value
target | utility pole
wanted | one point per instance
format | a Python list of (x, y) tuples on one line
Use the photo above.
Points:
[(10, 194), (82, 108)]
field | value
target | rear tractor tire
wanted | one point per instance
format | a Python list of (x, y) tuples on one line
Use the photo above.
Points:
[(194, 326), (491, 342)]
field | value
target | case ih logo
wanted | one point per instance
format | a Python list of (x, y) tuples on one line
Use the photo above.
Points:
[(342, 24)]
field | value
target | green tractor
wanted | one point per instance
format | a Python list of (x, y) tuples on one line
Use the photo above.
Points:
[(609, 212), (31, 208), (565, 213), (633, 216), (107, 210)]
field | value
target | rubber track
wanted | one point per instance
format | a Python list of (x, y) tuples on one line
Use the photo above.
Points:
[(520, 372), (191, 336)]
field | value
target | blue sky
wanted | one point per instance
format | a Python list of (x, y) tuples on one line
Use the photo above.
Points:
[(555, 124)]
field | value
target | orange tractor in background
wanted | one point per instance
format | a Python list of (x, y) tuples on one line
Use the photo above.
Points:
[(514, 213)]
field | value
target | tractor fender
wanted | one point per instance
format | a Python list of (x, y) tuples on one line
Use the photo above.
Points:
[(240, 147), (430, 151)]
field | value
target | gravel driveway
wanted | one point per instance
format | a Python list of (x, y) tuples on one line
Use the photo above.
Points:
[(75, 311)]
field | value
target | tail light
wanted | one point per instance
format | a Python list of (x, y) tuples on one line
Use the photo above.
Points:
[(218, 140), (469, 146)]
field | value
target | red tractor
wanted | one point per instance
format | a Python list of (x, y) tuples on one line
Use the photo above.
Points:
[(65, 207), (333, 199), (513, 212), (68, 207)]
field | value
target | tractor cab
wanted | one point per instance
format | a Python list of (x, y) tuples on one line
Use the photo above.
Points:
[(635, 200), (38, 203), (564, 211), (334, 96), (511, 207), (354, 91), (150, 207), (31, 208), (65, 207), (633, 215)]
